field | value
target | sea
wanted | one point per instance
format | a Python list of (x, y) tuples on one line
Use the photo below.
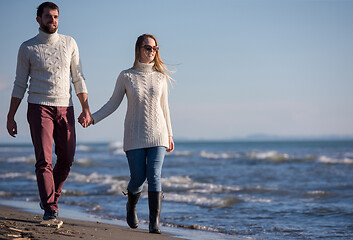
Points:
[(212, 189)]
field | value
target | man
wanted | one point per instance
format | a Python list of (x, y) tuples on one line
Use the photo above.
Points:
[(48, 59)]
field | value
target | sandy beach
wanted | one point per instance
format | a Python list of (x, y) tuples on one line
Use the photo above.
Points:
[(16, 224)]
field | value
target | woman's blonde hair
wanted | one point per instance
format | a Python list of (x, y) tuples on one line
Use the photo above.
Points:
[(159, 65)]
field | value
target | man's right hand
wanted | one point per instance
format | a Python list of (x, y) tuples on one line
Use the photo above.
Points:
[(11, 123), (12, 127)]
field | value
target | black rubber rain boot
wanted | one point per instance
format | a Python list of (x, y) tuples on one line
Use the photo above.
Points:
[(155, 205), (131, 215)]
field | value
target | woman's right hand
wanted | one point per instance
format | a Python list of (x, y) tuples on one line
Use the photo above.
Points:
[(171, 144)]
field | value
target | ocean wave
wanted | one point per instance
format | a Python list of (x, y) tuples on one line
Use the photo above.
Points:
[(66, 192), (84, 148), (116, 185), (194, 227), (262, 190), (177, 188), (178, 183), (5, 194), (269, 155), (255, 200), (255, 155), (325, 159), (12, 175), (116, 148), (119, 151), (199, 200), (185, 190), (115, 145), (91, 178), (83, 162), (96, 208), (210, 155), (23, 159), (316, 192)]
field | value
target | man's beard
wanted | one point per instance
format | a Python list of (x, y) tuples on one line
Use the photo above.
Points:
[(47, 29)]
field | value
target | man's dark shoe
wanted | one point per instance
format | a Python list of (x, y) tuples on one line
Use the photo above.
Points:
[(51, 214)]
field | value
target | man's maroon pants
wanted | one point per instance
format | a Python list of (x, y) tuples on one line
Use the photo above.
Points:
[(52, 124)]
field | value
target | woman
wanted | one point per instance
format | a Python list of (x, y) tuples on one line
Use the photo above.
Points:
[(147, 127)]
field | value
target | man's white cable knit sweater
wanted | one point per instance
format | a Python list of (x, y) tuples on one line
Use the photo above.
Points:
[(48, 59), (147, 121)]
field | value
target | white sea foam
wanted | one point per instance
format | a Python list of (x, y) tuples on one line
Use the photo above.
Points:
[(83, 148), (198, 193), (253, 199), (96, 208), (91, 178), (115, 145), (28, 159), (27, 175), (325, 159), (116, 148), (202, 194), (269, 155), (77, 177), (83, 162), (119, 151), (260, 200), (317, 192), (4, 194), (210, 201), (192, 192), (116, 185), (73, 193), (186, 183), (209, 155), (193, 199)]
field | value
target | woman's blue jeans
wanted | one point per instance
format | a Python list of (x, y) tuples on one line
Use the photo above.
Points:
[(145, 163)]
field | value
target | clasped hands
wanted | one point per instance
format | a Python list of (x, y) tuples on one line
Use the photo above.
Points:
[(85, 119)]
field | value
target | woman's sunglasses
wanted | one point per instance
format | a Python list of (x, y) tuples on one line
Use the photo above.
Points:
[(150, 48)]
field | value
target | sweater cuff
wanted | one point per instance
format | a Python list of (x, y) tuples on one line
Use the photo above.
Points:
[(18, 93), (80, 88)]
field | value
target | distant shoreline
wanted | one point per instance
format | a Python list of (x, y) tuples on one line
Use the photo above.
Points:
[(248, 139)]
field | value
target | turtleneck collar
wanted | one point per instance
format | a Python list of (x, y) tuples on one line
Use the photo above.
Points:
[(144, 67), (48, 38)]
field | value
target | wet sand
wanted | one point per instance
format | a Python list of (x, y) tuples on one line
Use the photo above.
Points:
[(20, 225)]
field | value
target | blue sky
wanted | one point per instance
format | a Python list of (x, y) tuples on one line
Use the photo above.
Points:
[(242, 67)]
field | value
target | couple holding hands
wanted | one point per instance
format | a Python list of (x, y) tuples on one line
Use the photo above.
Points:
[(49, 59)]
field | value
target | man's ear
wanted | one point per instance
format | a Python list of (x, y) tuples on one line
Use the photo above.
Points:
[(38, 19)]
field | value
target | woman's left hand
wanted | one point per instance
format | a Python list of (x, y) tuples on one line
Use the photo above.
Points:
[(171, 144)]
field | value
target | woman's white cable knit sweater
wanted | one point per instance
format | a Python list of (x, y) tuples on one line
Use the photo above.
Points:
[(147, 121), (48, 59)]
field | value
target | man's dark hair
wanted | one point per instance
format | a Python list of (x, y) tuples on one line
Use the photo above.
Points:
[(41, 7)]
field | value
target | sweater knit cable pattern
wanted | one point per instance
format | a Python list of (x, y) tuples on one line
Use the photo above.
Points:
[(48, 59), (147, 121)]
